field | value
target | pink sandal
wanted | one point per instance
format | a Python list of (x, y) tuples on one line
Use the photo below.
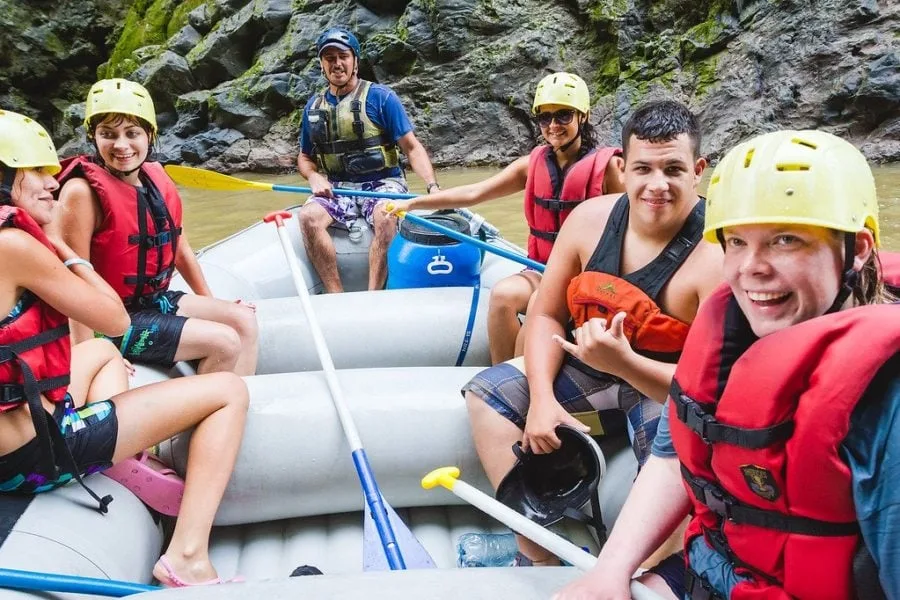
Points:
[(173, 580), (160, 490)]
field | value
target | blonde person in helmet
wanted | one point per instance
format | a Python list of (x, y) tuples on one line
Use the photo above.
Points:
[(556, 176), (64, 413), (120, 211), (781, 429)]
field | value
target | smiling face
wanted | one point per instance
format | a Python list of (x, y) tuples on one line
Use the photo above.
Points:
[(122, 142), (556, 133), (782, 275), (32, 191), (338, 65), (661, 179)]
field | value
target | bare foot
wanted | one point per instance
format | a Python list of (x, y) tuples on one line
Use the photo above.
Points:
[(172, 571)]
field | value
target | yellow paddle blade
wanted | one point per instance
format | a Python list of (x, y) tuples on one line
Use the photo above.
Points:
[(209, 180)]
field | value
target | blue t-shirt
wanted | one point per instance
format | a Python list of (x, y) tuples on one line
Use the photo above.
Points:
[(386, 111), (872, 451)]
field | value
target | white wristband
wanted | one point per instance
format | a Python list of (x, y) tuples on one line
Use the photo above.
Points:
[(78, 261)]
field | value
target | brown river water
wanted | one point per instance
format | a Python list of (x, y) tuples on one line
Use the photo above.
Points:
[(212, 215)]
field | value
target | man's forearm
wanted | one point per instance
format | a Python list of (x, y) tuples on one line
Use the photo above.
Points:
[(306, 166), (421, 164), (543, 357), (650, 377)]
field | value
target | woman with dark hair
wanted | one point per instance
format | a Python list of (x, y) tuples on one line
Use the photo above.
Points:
[(61, 416), (556, 177)]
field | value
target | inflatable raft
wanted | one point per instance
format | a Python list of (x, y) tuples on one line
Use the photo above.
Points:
[(294, 499)]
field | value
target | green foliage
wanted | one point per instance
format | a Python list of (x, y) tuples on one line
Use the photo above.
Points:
[(148, 22)]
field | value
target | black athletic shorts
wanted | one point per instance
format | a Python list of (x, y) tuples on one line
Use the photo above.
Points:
[(155, 331), (90, 432)]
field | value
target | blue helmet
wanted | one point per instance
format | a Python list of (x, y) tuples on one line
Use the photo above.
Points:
[(340, 37)]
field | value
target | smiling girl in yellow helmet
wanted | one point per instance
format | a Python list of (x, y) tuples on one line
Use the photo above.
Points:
[(123, 213), (56, 426), (556, 177), (784, 415)]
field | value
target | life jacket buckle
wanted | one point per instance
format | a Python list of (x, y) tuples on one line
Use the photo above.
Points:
[(698, 587), (717, 501)]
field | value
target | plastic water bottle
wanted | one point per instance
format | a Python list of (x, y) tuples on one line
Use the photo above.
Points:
[(486, 550), (355, 233)]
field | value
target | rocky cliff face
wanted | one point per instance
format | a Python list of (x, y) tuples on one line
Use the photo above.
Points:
[(230, 76)]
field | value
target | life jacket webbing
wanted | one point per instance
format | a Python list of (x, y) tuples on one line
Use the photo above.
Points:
[(550, 236), (607, 257), (47, 435), (145, 242), (731, 509), (704, 424)]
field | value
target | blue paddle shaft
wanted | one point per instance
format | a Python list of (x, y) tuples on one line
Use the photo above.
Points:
[(468, 239), (277, 187), (51, 582), (379, 513)]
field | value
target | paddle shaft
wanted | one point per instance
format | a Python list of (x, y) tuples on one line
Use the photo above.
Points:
[(210, 180), (542, 536), (74, 584), (468, 239), (360, 460)]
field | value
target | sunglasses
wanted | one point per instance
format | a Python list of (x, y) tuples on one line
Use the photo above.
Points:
[(563, 117)]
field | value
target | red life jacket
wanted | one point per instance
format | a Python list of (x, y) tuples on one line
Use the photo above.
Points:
[(757, 424), (34, 345), (550, 195), (134, 250), (602, 291)]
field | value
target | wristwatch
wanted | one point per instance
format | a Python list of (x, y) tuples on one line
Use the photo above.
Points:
[(432, 185)]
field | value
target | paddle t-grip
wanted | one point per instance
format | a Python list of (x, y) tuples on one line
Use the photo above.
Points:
[(278, 216)]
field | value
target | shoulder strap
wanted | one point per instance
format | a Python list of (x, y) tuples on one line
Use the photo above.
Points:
[(655, 275), (607, 257)]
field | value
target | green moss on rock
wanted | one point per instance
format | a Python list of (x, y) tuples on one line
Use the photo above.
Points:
[(148, 22)]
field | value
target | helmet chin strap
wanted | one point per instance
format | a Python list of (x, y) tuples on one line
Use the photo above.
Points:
[(849, 276), (9, 177)]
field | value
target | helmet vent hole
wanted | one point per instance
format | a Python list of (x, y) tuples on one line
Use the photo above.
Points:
[(748, 158), (804, 143), (792, 167)]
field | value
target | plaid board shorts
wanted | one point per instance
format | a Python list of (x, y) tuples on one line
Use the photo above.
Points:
[(346, 209), (587, 396)]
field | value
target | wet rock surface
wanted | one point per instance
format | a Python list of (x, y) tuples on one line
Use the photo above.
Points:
[(230, 77)]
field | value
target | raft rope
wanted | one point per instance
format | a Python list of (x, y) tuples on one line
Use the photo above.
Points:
[(473, 309)]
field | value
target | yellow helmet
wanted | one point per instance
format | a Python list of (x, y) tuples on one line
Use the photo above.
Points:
[(796, 177), (119, 96), (564, 89), (24, 144)]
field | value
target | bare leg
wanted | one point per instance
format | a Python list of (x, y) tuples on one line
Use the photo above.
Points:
[(217, 405), (238, 317), (97, 372), (509, 297), (385, 227), (494, 436), (314, 222), (520, 338), (217, 346)]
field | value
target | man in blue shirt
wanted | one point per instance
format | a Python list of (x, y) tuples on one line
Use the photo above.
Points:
[(803, 338), (350, 138)]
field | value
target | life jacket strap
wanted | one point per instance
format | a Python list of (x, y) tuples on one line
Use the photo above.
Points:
[(557, 205), (729, 508), (550, 236), (696, 418)]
